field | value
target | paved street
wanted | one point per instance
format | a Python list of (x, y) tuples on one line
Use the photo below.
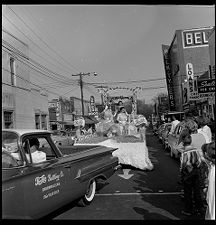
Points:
[(135, 194)]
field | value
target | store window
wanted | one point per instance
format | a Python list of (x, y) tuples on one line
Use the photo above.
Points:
[(43, 122), (8, 119), (12, 71), (37, 121)]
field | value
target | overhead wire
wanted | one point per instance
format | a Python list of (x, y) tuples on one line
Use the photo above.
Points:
[(45, 69), (43, 40), (28, 81), (123, 82), (33, 66), (32, 41), (31, 50)]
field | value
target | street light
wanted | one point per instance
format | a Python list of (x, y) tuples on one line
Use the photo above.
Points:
[(81, 86)]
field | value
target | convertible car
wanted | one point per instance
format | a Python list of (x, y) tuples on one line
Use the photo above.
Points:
[(33, 189)]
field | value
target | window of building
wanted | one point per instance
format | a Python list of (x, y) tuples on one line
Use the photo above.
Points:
[(12, 70), (8, 119), (37, 121), (43, 122)]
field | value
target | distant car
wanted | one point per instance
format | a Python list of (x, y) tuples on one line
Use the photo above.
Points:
[(60, 140), (32, 189), (178, 114), (164, 134), (172, 141), (155, 128), (160, 131)]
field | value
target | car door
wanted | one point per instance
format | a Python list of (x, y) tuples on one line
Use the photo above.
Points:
[(46, 184), (12, 167), (12, 189)]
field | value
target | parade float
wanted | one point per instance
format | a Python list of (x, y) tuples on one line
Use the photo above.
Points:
[(123, 131)]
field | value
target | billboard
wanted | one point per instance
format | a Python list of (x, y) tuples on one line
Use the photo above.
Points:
[(169, 80), (195, 37)]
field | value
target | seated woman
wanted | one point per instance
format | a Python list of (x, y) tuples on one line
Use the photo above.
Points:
[(122, 119), (106, 122), (36, 155)]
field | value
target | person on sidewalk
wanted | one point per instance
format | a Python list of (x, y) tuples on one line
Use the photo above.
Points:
[(174, 124), (204, 129), (193, 173), (209, 152)]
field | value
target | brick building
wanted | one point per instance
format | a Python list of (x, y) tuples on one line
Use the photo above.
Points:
[(188, 46)]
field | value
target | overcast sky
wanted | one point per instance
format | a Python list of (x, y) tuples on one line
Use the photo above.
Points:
[(119, 42)]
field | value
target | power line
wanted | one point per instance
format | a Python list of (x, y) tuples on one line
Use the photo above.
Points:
[(35, 53), (27, 82), (43, 40), (28, 63), (119, 82), (33, 42), (19, 53)]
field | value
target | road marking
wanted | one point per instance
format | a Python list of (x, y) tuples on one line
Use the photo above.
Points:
[(154, 193), (126, 174)]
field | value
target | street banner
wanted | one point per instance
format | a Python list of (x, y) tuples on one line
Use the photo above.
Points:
[(206, 86), (169, 79)]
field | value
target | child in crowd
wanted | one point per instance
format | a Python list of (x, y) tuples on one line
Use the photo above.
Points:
[(209, 152), (193, 172)]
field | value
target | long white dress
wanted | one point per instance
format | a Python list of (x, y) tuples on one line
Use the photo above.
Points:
[(210, 213), (134, 154)]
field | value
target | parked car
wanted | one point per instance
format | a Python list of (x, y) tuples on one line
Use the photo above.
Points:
[(63, 140), (164, 134), (67, 173), (160, 131), (172, 140)]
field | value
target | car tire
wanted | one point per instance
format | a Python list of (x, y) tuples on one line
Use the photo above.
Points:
[(89, 195)]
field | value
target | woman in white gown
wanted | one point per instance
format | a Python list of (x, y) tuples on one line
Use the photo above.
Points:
[(134, 154)]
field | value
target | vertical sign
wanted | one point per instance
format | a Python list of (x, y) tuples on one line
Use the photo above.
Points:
[(185, 93), (168, 77), (192, 83), (92, 105), (134, 103)]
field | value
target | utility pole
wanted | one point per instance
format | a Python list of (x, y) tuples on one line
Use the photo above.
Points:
[(81, 86)]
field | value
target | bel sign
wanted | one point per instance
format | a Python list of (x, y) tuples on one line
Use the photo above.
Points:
[(195, 38)]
